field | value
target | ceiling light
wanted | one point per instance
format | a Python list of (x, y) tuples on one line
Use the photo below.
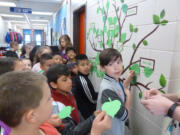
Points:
[(40, 20), (15, 21), (8, 4), (8, 15), (42, 13)]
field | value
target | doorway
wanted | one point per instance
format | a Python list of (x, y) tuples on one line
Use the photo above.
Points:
[(79, 30)]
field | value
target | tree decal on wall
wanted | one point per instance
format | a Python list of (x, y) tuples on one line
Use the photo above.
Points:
[(111, 34)]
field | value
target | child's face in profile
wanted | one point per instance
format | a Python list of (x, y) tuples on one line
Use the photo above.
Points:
[(84, 66), (64, 83), (27, 64), (113, 69), (44, 110), (19, 66), (58, 59), (71, 55), (47, 64)]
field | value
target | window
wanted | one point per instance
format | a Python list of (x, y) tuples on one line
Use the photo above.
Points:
[(38, 39), (27, 39)]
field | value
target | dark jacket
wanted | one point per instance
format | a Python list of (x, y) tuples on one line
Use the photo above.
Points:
[(85, 95)]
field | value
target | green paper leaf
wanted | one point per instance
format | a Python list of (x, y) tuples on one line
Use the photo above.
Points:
[(140, 95), (101, 44), (134, 46), (164, 22), (102, 11), (131, 28), (156, 19), (105, 28), (135, 68), (101, 33), (162, 91), (145, 43), (109, 42), (148, 72), (116, 29), (122, 1), (110, 21), (94, 68), (104, 19), (107, 5), (98, 10), (125, 8), (135, 30), (97, 59), (65, 112), (113, 33), (162, 80), (115, 20), (94, 30), (123, 37), (109, 33), (112, 107), (134, 80), (162, 14)]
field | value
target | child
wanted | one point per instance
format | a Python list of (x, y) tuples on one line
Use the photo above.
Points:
[(9, 64), (46, 61), (27, 63), (71, 54), (14, 46), (24, 104), (111, 87), (36, 63), (60, 80), (83, 89), (64, 42), (57, 58)]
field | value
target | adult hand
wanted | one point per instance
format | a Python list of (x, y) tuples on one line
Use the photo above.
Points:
[(149, 93), (157, 105), (101, 123)]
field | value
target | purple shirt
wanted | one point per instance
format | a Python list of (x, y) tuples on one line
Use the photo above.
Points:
[(7, 129)]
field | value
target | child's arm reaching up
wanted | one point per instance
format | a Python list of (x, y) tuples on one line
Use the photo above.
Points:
[(128, 80)]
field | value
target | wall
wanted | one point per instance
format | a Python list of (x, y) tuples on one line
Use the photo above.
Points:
[(157, 43), (4, 30)]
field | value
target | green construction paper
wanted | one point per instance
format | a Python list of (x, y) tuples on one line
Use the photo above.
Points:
[(107, 5), (115, 20), (140, 95), (131, 27), (134, 46), (164, 22), (162, 14), (162, 80), (156, 19), (110, 20), (135, 68), (125, 8), (123, 37), (145, 43), (111, 107), (65, 112), (148, 72)]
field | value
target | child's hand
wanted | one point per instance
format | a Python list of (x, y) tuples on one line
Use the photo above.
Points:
[(101, 123), (129, 78), (55, 121), (149, 93), (97, 112), (127, 92)]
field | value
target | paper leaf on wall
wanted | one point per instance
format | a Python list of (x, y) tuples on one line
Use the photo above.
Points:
[(107, 5), (156, 19), (135, 68), (162, 14), (162, 91), (125, 8), (164, 22), (145, 43), (131, 28), (101, 44), (98, 10), (134, 80), (104, 19), (123, 37), (162, 80), (122, 1), (135, 30), (110, 20), (148, 72), (109, 43), (134, 46), (140, 95)]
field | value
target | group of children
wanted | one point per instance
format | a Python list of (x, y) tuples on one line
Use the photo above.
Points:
[(31, 100)]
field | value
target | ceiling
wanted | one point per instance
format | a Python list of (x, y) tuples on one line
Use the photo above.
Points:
[(31, 19)]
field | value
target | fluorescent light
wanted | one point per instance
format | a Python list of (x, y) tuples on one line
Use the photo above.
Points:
[(42, 13), (15, 21), (40, 20), (8, 15), (8, 4)]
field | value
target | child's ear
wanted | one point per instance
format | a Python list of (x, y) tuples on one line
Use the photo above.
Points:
[(53, 85), (30, 116), (102, 68)]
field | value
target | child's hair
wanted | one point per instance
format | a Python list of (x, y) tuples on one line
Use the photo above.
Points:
[(109, 55), (20, 92), (39, 53), (70, 49), (7, 64), (44, 58), (66, 39), (80, 57), (55, 71)]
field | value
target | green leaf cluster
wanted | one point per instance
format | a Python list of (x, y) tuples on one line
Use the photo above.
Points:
[(159, 19)]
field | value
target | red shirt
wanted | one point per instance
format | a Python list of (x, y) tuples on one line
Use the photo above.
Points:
[(67, 100), (48, 129)]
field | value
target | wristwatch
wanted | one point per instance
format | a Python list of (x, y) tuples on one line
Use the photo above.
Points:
[(171, 110)]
